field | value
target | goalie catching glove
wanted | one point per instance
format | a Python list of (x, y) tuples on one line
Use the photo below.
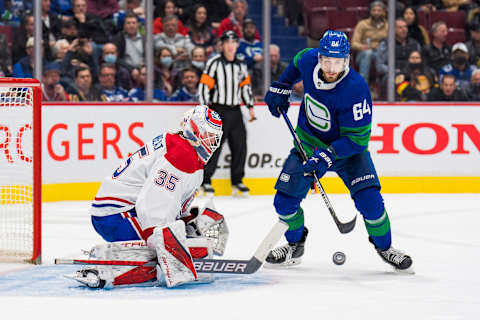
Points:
[(277, 97), (205, 221)]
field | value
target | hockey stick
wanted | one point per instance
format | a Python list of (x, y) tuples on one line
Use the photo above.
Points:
[(207, 265), (342, 227)]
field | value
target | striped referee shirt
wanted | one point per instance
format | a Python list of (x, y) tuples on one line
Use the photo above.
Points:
[(225, 83)]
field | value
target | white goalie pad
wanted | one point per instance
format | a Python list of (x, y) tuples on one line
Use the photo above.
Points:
[(210, 224), (174, 259), (110, 276)]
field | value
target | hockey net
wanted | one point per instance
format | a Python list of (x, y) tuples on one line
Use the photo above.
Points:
[(20, 170)]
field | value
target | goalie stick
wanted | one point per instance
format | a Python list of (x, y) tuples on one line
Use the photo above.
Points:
[(343, 227), (207, 265)]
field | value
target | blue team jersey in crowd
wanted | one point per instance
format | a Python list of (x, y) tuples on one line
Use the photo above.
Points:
[(337, 114), (116, 95), (182, 94), (247, 50)]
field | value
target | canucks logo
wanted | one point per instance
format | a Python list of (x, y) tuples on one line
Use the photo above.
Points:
[(317, 113)]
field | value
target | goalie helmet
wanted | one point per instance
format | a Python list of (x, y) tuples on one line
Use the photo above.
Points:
[(203, 127), (334, 51)]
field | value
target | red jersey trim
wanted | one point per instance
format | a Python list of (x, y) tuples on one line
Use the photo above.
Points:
[(181, 154)]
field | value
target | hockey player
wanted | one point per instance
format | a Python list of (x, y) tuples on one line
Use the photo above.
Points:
[(142, 208), (334, 126)]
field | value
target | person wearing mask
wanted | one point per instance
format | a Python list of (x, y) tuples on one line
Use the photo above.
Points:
[(447, 91), (459, 67), (123, 78), (199, 58)]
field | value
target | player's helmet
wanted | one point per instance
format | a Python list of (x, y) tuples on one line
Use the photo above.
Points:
[(334, 44), (203, 127), (229, 35)]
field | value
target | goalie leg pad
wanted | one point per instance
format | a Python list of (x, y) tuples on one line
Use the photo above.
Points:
[(174, 259)]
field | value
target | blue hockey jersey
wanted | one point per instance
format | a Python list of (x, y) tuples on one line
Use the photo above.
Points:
[(337, 114)]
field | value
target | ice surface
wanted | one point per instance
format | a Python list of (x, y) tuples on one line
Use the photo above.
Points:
[(440, 232)]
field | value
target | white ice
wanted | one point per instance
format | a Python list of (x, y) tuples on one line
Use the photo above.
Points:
[(440, 232)]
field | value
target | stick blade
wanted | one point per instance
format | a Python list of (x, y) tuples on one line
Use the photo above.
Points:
[(347, 226)]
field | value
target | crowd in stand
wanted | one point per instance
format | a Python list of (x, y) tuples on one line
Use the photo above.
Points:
[(95, 50)]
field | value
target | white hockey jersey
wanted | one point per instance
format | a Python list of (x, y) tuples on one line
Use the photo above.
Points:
[(159, 180)]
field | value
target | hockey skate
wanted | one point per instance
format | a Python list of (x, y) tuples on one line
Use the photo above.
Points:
[(396, 258), (88, 277), (206, 190), (240, 190), (288, 254)]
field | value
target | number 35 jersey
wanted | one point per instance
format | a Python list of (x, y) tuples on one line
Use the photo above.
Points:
[(337, 114), (159, 180)]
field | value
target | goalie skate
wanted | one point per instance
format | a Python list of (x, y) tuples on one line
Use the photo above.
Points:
[(396, 258), (288, 254), (240, 190), (88, 277)]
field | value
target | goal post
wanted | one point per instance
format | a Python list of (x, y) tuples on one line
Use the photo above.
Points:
[(20, 170)]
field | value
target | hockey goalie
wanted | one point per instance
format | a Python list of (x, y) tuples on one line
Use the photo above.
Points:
[(145, 210)]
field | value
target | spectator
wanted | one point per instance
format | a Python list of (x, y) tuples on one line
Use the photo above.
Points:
[(473, 89), (68, 30), (165, 72), (107, 86), (415, 30), (61, 8), (20, 36), (276, 69), (235, 20), (189, 89), (24, 67), (130, 44), (134, 6), (217, 48), (12, 11), (199, 59), (60, 49), (427, 5), (200, 31), (217, 10), (367, 35), (168, 9), (437, 54), (459, 67), (473, 45), (52, 90), (79, 52), (403, 46), (447, 91), (50, 24), (83, 90), (138, 94), (179, 45), (123, 77), (250, 49), (416, 80), (5, 57), (88, 23)]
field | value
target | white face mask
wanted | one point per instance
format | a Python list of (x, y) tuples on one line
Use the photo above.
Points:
[(198, 64), (333, 65)]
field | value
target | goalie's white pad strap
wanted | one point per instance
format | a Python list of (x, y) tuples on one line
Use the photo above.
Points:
[(173, 256)]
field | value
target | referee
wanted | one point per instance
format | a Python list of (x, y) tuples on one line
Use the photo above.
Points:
[(225, 82)]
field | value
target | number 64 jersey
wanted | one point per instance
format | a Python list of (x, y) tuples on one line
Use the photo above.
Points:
[(337, 114), (158, 182)]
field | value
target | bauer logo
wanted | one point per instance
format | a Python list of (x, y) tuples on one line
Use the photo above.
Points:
[(317, 113), (284, 177), (363, 178), (222, 267)]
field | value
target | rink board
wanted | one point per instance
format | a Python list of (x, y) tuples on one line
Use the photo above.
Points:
[(427, 148)]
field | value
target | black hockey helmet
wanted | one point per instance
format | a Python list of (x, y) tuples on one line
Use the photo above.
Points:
[(229, 35)]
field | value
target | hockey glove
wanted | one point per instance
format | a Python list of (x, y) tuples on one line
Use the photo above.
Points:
[(319, 162), (277, 97)]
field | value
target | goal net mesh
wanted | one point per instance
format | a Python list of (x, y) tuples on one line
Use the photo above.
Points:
[(16, 173)]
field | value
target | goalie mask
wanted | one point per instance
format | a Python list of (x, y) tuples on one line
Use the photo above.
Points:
[(334, 52), (203, 128)]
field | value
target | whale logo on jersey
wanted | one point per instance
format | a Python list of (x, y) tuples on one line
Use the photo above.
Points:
[(317, 113)]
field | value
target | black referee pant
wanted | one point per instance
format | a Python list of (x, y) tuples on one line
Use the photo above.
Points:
[(236, 135)]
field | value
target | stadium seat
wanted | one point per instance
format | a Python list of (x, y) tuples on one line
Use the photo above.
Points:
[(453, 19), (455, 35), (320, 4), (424, 19), (342, 20), (316, 21), (7, 30), (343, 4)]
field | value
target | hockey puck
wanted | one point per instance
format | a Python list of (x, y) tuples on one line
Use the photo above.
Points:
[(339, 258)]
